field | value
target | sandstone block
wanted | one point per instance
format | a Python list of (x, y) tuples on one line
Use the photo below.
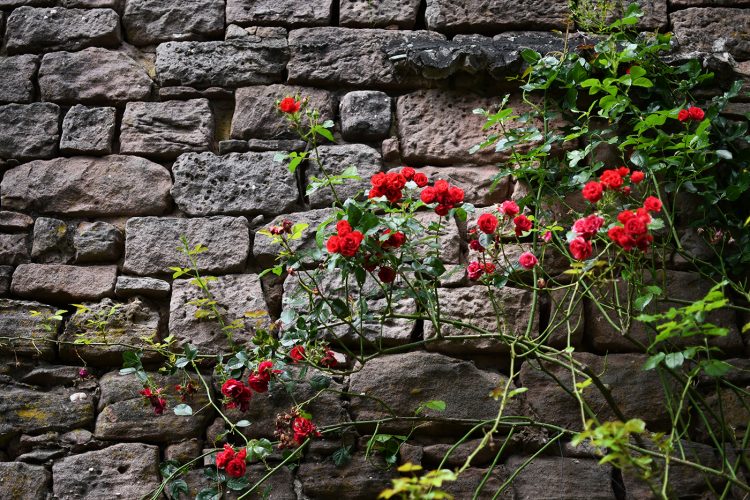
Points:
[(26, 331), (30, 481), (365, 115), (335, 160), (19, 73), (129, 286), (149, 22), (14, 249), (279, 12), (479, 15), (62, 283), (15, 221), (97, 242), (53, 241), (714, 29), (360, 478), (575, 479), (379, 14), (88, 130), (265, 251), (29, 131)]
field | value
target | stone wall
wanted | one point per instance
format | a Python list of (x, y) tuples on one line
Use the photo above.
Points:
[(127, 123)]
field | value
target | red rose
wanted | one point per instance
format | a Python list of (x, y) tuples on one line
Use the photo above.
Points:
[(621, 238), (258, 382), (587, 227), (487, 223), (297, 353), (224, 457), (441, 187), (455, 195), (637, 176), (592, 191), (232, 388), (408, 173), (489, 268), (643, 242), (695, 113), (580, 248), (386, 274), (393, 195), (395, 240), (442, 210), (522, 223), (159, 404), (333, 245), (528, 260), (304, 428), (476, 246), (343, 228), (636, 227), (509, 208), (683, 115), (236, 467), (349, 244), (238, 395), (475, 270), (329, 359), (611, 179), (378, 180), (375, 193), (623, 171), (289, 105), (420, 179), (428, 195), (652, 204)]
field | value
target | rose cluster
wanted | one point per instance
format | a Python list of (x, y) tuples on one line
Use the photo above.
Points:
[(391, 184), (292, 429), (346, 241), (238, 394), (633, 233), (158, 403), (612, 180), (233, 462), (692, 113), (584, 229), (445, 195), (475, 269)]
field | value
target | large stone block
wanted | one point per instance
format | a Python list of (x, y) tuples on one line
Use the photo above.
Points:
[(574, 479), (25, 333), (14, 249), (265, 251), (87, 186), (88, 130), (365, 115), (256, 115), (129, 286), (474, 16), (93, 75), (166, 129), (20, 480), (378, 14), (279, 12), (32, 29), (238, 183), (152, 21), (29, 131), (128, 469), (253, 60), (53, 241), (63, 283), (360, 478), (97, 242), (151, 244), (235, 294), (335, 160), (343, 56), (715, 29), (15, 221), (19, 73)]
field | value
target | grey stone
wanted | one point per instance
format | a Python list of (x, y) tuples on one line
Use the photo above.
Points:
[(714, 29), (152, 21), (19, 3), (469, 480), (24, 481), (129, 286), (130, 469), (19, 73), (29, 131), (360, 478), (475, 180), (14, 249), (276, 145), (246, 61), (365, 115), (25, 332), (654, 15), (183, 93), (265, 251), (233, 146), (42, 30), (390, 149), (51, 375), (62, 283), (166, 129), (502, 15), (184, 451), (15, 221), (6, 276), (235, 295), (450, 245), (335, 160), (351, 57), (257, 116), (96, 4), (93, 76), (574, 479), (88, 186), (677, 4), (279, 12), (151, 244), (88, 130), (238, 183), (378, 13), (233, 31), (97, 242), (123, 327), (53, 241)]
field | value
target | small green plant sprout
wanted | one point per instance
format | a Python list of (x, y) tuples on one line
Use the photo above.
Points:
[(424, 487), (49, 321), (99, 321), (612, 440)]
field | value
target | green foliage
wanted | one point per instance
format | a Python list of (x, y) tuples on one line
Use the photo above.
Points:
[(424, 487), (613, 440)]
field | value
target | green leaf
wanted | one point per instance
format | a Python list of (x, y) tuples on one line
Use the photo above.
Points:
[(435, 404), (716, 367), (181, 362), (237, 484), (183, 410), (674, 360), (208, 494), (653, 361), (320, 382), (342, 456), (242, 423)]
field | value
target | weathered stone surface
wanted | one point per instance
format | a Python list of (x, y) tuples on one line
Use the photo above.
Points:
[(475, 180), (281, 483), (715, 29), (184, 451), (654, 14), (484, 16), (129, 286), (124, 329), (25, 332), (265, 251), (424, 377), (125, 414), (97, 242), (257, 116), (23, 410), (14, 249), (276, 145), (338, 56), (62, 283), (451, 247), (100, 4), (335, 160), (15, 221), (24, 481), (438, 127), (360, 478), (151, 244), (18, 3), (637, 393), (365, 115), (572, 478), (93, 75), (19, 73), (566, 321), (378, 14), (29, 131), (707, 3), (32, 29), (166, 129), (88, 130), (130, 469), (238, 183), (233, 146), (6, 276), (235, 294), (152, 21), (254, 60), (279, 12), (87, 186), (46, 375), (473, 305), (53, 241)]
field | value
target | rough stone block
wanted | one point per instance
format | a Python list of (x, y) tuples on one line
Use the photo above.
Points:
[(97, 242), (166, 129), (20, 480), (470, 479), (238, 183), (62, 283), (279, 12), (92, 76), (365, 115), (360, 478), (32, 29), (88, 130), (14, 221), (714, 29), (29, 131), (6, 276), (257, 116), (26, 333), (450, 243), (87, 186), (265, 251), (152, 21), (151, 244), (14, 249), (19, 73), (335, 160), (53, 241), (378, 13), (475, 16), (344, 56), (566, 320), (129, 286), (574, 479)]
